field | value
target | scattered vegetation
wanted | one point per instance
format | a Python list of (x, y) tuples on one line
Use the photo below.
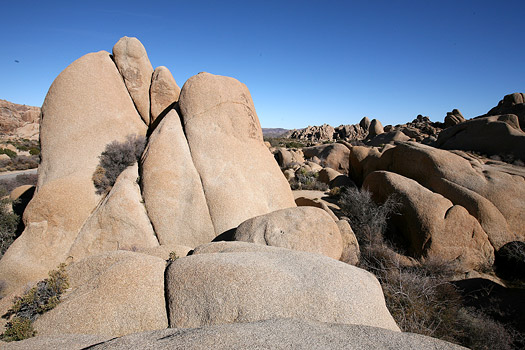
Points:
[(307, 180), (18, 161), (117, 157), (419, 295), (284, 142), (173, 256), (39, 299), (10, 153), (20, 180), (8, 222)]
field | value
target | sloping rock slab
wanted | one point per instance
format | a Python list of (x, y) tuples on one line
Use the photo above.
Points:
[(271, 334)]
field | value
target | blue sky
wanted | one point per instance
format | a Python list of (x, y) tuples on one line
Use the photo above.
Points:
[(305, 62)]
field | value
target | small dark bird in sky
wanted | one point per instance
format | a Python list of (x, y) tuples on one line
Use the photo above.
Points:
[(17, 61)]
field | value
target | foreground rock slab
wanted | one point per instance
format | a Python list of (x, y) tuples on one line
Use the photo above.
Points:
[(270, 334), (112, 294), (234, 287)]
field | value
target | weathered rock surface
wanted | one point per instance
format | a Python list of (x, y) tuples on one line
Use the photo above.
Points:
[(333, 156), (433, 226), (239, 287), (306, 229), (86, 108), (172, 189), (269, 334), (495, 198), (119, 222), (113, 294), (67, 341), (489, 135), (316, 203), (239, 174), (164, 91), (133, 64)]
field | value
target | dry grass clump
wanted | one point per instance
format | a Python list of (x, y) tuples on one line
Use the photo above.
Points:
[(307, 180), (116, 157)]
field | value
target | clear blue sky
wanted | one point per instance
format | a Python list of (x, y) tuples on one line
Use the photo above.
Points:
[(305, 62)]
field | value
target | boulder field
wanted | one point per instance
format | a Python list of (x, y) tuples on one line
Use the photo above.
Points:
[(205, 172)]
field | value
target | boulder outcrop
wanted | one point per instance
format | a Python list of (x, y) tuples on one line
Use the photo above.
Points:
[(172, 189), (133, 64), (333, 156), (494, 135), (511, 104), (164, 91), (306, 229), (433, 226), (86, 108), (256, 286), (239, 175)]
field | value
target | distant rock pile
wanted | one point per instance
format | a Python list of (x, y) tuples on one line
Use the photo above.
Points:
[(19, 120)]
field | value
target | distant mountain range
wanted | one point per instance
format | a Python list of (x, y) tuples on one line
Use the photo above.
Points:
[(274, 132)]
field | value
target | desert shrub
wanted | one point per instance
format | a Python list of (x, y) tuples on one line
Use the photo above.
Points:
[(510, 261), (9, 152), (39, 299), (304, 180), (35, 151), (480, 332), (116, 157), (367, 219), (19, 328), (8, 222), (21, 162)]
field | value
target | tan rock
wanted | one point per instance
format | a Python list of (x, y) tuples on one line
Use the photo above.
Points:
[(306, 229), (317, 203), (275, 334), (289, 174), (376, 128), (333, 156), (112, 294), (433, 226), (309, 167), (288, 157), (86, 108), (133, 64), (351, 251), (172, 189), (239, 175), (495, 198), (489, 135), (19, 192), (119, 222), (238, 287), (164, 91)]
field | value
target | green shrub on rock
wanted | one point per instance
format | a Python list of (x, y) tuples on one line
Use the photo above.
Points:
[(39, 299), (116, 157)]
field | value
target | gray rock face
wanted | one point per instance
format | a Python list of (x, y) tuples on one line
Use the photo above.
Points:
[(239, 174), (306, 229), (172, 188), (269, 334), (134, 66), (238, 287), (453, 118)]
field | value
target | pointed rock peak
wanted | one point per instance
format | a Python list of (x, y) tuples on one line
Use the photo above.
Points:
[(133, 64), (164, 91)]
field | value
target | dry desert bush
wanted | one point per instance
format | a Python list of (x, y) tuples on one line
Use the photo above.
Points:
[(419, 295)]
